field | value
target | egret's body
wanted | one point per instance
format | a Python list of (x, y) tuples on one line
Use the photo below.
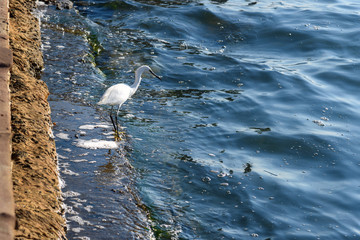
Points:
[(119, 93), (116, 95)]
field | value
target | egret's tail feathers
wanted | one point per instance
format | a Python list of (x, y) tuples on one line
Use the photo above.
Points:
[(102, 100)]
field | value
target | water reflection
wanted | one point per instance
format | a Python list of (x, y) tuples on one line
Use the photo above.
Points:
[(218, 1), (168, 3), (183, 157), (261, 130)]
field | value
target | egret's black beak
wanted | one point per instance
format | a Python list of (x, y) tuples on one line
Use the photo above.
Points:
[(155, 75)]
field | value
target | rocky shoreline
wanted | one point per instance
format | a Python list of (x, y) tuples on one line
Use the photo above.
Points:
[(37, 193)]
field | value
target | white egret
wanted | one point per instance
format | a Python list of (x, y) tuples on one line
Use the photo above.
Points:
[(119, 93)]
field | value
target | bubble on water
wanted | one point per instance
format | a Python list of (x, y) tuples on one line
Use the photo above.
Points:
[(318, 122), (324, 118), (206, 179)]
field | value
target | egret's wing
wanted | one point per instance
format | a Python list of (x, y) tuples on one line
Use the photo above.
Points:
[(116, 95)]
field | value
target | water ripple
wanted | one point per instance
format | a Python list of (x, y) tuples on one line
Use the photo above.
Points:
[(252, 132)]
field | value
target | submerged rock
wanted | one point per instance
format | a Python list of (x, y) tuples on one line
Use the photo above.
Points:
[(63, 4), (60, 4)]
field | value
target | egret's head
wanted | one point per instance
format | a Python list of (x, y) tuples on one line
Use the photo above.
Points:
[(143, 68)]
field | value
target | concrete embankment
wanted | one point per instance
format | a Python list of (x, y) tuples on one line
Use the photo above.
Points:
[(7, 215), (29, 150)]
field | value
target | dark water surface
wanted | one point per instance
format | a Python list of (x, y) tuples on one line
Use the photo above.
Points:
[(253, 132)]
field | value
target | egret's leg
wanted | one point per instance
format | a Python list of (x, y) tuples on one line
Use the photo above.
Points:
[(117, 123), (117, 137), (113, 123), (117, 113), (112, 120), (117, 134)]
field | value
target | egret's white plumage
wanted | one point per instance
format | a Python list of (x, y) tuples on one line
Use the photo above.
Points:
[(119, 93), (116, 95)]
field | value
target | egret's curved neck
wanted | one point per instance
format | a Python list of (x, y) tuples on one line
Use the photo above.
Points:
[(136, 84)]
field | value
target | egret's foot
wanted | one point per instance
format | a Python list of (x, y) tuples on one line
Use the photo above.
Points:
[(117, 135)]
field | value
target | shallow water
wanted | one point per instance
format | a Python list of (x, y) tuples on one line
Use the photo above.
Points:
[(252, 132)]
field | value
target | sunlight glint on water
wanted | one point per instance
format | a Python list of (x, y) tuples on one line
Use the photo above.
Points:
[(252, 132)]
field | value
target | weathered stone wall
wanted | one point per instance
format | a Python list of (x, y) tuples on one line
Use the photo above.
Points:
[(35, 175)]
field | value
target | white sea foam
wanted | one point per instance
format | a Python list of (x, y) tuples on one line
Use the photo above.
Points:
[(96, 144), (62, 157), (77, 230), (79, 160), (82, 133), (92, 126), (69, 172), (63, 136), (62, 183), (129, 115), (108, 133), (88, 208), (70, 194), (79, 220)]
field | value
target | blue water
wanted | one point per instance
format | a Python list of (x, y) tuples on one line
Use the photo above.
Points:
[(253, 132)]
